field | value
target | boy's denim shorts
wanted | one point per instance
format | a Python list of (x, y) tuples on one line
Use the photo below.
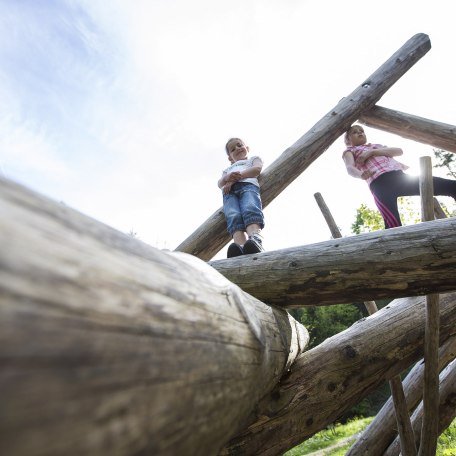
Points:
[(242, 207)]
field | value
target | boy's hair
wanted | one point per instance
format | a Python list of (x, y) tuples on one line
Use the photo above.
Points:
[(226, 145)]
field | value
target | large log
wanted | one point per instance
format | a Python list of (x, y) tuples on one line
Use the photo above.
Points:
[(211, 236), (329, 379), (381, 432), (404, 261), (437, 134), (447, 409), (109, 346)]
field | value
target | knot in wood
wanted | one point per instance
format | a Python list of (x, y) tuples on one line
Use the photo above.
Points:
[(349, 351)]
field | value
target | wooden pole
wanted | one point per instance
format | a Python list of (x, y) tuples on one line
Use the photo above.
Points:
[(437, 134), (447, 408), (211, 236), (409, 260), (382, 430), (404, 424), (429, 433)]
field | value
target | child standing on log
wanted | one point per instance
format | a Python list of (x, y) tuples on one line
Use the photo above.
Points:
[(241, 199), (385, 176)]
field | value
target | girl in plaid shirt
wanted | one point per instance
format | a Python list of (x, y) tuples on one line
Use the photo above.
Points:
[(385, 176)]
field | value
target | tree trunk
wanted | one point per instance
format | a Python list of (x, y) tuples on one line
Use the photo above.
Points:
[(447, 409), (332, 377), (436, 134), (211, 236), (109, 346), (382, 430), (404, 261)]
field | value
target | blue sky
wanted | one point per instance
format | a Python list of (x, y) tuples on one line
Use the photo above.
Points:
[(121, 109)]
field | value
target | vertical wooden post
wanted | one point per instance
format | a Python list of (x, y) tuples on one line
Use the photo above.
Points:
[(429, 430), (404, 424)]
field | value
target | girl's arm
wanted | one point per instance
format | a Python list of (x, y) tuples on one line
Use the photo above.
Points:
[(352, 169), (384, 151)]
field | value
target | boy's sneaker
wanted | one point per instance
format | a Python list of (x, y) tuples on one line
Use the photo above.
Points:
[(234, 250), (254, 244)]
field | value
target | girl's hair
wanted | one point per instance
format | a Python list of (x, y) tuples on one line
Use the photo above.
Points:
[(231, 139), (347, 133)]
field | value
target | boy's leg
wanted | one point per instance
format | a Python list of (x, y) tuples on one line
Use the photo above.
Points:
[(233, 216), (239, 237), (252, 214), (235, 224)]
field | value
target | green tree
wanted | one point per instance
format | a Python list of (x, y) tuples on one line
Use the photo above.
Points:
[(446, 160)]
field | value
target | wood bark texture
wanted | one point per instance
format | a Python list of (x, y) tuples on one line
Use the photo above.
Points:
[(436, 134), (211, 236), (430, 434), (404, 261), (447, 409), (329, 379), (109, 346), (382, 430)]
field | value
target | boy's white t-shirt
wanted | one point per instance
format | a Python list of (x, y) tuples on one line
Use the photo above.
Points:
[(241, 165)]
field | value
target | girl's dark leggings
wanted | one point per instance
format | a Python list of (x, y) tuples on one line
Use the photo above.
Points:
[(389, 186)]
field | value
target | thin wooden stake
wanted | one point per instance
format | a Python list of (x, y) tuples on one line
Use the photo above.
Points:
[(404, 424), (438, 211), (429, 430)]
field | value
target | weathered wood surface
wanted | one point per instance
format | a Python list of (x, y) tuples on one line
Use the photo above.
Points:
[(404, 261), (109, 346), (436, 134), (329, 379), (430, 434), (211, 236), (381, 432), (447, 409)]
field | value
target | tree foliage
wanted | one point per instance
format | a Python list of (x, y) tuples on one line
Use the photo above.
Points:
[(445, 160)]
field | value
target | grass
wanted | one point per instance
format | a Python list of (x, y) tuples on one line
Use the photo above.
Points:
[(446, 445)]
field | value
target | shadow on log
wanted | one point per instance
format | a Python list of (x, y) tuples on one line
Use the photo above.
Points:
[(109, 346)]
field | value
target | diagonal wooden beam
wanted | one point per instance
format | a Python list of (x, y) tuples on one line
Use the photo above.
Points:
[(404, 261), (211, 236), (436, 134)]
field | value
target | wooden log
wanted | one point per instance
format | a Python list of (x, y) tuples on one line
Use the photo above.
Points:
[(329, 379), (381, 432), (404, 261), (211, 236), (400, 406), (429, 434), (436, 134), (447, 409), (109, 346)]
